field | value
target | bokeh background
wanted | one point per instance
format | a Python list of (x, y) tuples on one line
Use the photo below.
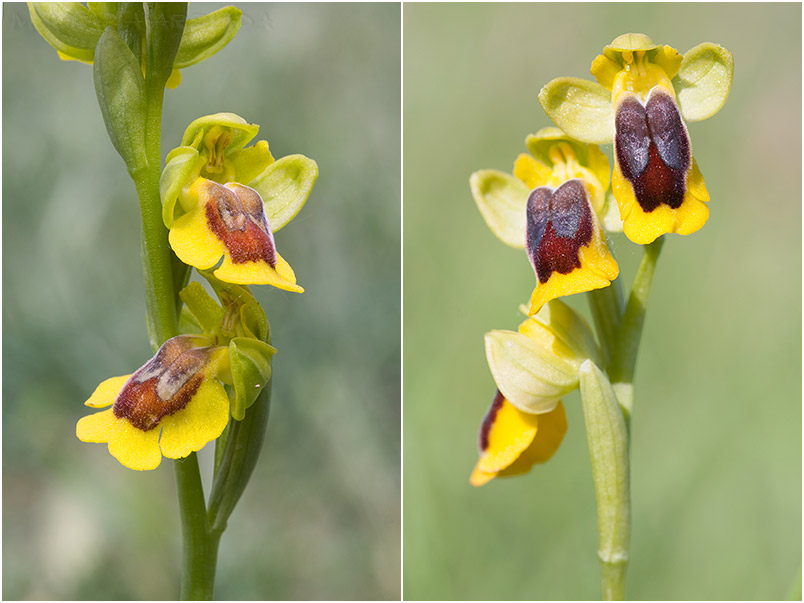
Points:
[(716, 449), (320, 518)]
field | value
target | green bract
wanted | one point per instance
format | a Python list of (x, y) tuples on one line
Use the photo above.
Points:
[(120, 88), (164, 26)]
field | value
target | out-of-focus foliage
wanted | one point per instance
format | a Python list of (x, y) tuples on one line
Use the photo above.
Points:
[(716, 449), (320, 518)]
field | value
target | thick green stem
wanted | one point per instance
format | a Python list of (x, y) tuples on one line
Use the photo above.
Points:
[(199, 543)]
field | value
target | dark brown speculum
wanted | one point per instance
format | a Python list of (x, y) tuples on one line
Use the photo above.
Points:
[(164, 385), (653, 150), (559, 224)]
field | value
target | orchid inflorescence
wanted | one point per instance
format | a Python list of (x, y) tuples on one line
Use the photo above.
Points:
[(558, 204)]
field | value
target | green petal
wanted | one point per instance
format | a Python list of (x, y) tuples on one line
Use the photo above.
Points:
[(206, 35), (703, 81), (581, 108), (284, 188), (530, 377), (251, 370), (70, 27), (502, 200)]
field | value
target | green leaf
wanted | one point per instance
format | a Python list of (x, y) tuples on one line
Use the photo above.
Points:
[(164, 24), (251, 370), (120, 89), (204, 36), (205, 309), (581, 108), (284, 187), (236, 463), (70, 27), (502, 200), (531, 377), (607, 435), (704, 81)]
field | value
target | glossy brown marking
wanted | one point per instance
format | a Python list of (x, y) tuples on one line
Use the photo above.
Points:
[(653, 150), (164, 386), (559, 224), (237, 218), (488, 421)]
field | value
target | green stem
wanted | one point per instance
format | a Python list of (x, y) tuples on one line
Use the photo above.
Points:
[(620, 332), (623, 364), (199, 543), (607, 308)]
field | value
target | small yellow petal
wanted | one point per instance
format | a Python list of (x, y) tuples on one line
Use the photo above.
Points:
[(605, 71)]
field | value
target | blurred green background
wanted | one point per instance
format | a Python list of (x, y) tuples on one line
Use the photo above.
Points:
[(716, 449), (320, 518)]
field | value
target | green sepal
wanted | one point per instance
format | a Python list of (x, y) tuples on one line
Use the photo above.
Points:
[(69, 27), (164, 27), (206, 310), (530, 376), (502, 200), (206, 35), (251, 369), (284, 187), (607, 435), (181, 276), (242, 131), (182, 168), (704, 81), (581, 108), (120, 89), (235, 463)]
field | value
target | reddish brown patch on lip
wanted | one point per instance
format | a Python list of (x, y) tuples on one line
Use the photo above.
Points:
[(559, 224), (140, 404), (653, 150), (164, 385), (237, 218)]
